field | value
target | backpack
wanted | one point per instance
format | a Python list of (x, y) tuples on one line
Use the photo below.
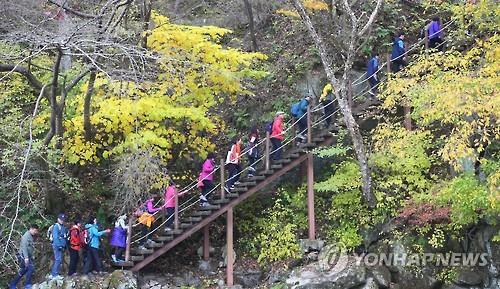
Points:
[(50, 232), (295, 110), (85, 237), (269, 127), (75, 238)]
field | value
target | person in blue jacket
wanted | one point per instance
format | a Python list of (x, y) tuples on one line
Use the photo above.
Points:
[(298, 111), (398, 53), (59, 237), (93, 262), (371, 73)]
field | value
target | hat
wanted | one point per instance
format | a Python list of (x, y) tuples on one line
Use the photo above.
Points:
[(279, 113), (62, 217)]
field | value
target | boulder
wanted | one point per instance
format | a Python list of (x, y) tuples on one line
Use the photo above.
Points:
[(277, 276), (207, 267), (117, 280), (307, 246), (248, 278), (469, 278), (332, 257), (422, 281), (381, 275), (370, 284), (311, 277)]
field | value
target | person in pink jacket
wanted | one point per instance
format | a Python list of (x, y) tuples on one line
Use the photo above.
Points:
[(206, 178), (169, 205), (277, 135)]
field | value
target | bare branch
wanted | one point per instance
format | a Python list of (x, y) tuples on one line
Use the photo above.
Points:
[(23, 71), (371, 19), (72, 11)]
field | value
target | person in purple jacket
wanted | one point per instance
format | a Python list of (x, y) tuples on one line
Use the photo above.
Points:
[(435, 34), (119, 239), (206, 178)]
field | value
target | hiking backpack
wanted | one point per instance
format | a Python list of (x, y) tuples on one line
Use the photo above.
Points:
[(295, 110)]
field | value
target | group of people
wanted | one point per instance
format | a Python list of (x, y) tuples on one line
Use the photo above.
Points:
[(398, 54)]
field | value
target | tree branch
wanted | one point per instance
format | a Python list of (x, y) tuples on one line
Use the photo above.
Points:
[(23, 71), (371, 19), (77, 79), (72, 11)]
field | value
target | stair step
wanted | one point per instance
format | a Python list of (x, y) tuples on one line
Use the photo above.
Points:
[(284, 161), (155, 245), (143, 252), (123, 264), (172, 233), (318, 139), (186, 225), (268, 173), (192, 219), (256, 178), (209, 208), (137, 258), (220, 201), (239, 190), (307, 145), (247, 184), (163, 238), (202, 213), (232, 195), (276, 166)]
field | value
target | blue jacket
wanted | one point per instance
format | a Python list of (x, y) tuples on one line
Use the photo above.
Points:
[(372, 67), (59, 236), (95, 235), (303, 104), (398, 48)]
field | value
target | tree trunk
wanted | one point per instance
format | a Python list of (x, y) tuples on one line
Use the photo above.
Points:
[(53, 99), (341, 94), (146, 14), (251, 24), (86, 106)]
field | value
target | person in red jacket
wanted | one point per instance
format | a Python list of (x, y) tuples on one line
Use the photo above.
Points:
[(76, 243), (277, 135)]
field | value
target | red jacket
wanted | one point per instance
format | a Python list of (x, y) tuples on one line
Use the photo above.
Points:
[(278, 128), (76, 238)]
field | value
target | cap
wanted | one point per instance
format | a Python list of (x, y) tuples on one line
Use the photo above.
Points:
[(62, 217), (279, 113)]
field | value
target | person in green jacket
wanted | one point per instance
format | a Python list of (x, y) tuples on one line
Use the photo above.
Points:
[(93, 262), (25, 258)]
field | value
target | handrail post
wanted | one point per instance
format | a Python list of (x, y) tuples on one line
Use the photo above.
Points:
[(268, 160), (176, 210), (222, 180), (426, 39), (349, 93), (129, 237), (388, 64), (309, 126)]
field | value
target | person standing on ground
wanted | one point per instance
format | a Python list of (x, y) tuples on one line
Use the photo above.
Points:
[(25, 258), (169, 205), (398, 53), (75, 246), (233, 163), (326, 101), (277, 135), (206, 178), (93, 262), (253, 150), (371, 73), (59, 237), (435, 34), (119, 239)]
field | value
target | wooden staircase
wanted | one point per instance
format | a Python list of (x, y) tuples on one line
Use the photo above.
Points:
[(203, 216)]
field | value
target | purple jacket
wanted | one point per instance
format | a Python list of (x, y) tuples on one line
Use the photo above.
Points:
[(434, 30), (119, 237), (207, 171)]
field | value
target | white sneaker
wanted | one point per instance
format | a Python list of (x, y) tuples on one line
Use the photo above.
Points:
[(58, 277), (168, 229), (142, 248), (113, 257)]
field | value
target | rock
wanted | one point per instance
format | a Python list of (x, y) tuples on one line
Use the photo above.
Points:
[(207, 267), (370, 284), (424, 281), (199, 251), (117, 280), (308, 246), (249, 278), (311, 277), (277, 276), (224, 257), (192, 280), (332, 256), (469, 278), (220, 282), (395, 286), (381, 275)]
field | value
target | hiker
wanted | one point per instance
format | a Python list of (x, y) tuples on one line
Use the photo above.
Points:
[(76, 243), (253, 150), (398, 53), (435, 34), (326, 101), (169, 199), (277, 135), (206, 178), (25, 258), (371, 73), (119, 239), (233, 163), (146, 219), (93, 262), (59, 237), (299, 111)]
